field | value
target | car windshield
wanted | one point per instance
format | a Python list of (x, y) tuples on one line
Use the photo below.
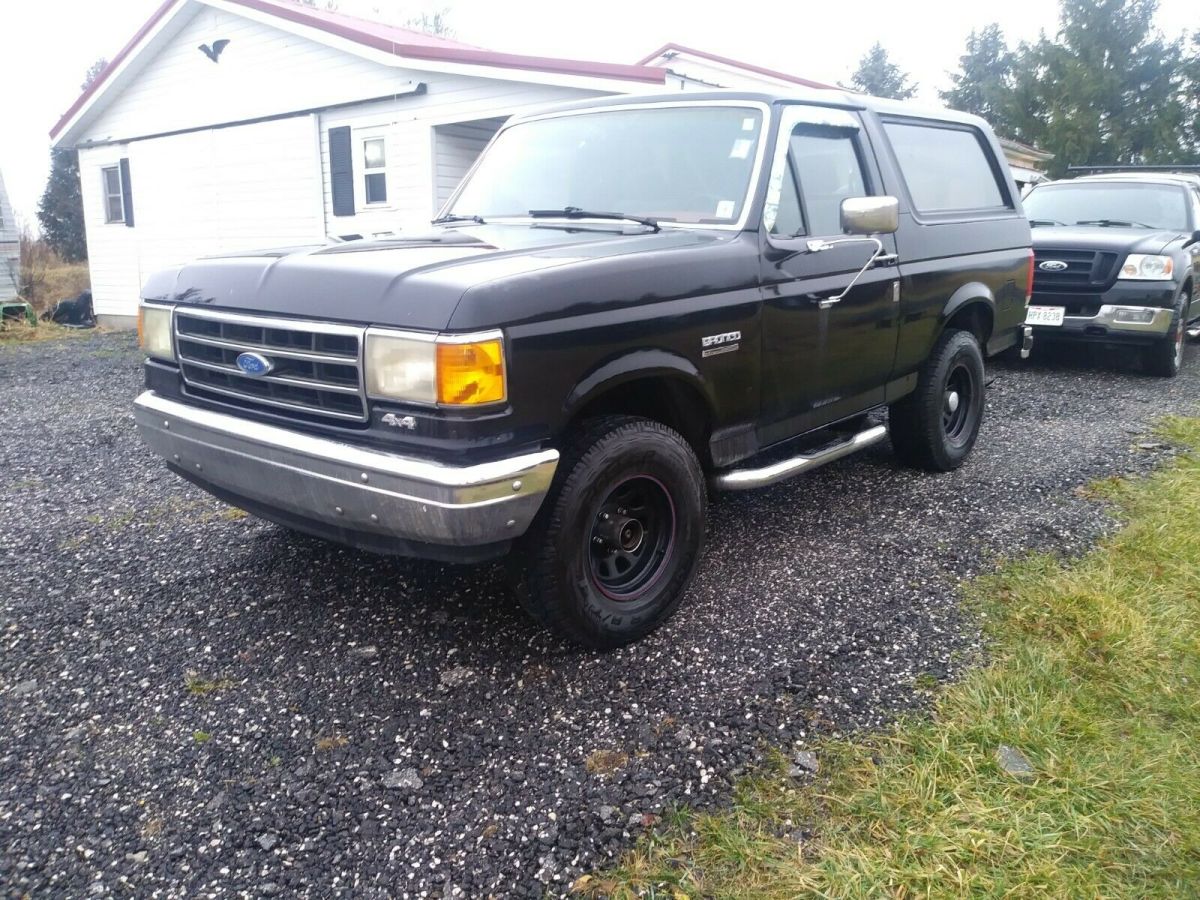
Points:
[(1116, 204), (689, 164)]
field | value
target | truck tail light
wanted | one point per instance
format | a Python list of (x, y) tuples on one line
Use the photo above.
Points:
[(1029, 279), (471, 373)]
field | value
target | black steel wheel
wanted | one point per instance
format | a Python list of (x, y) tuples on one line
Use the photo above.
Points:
[(614, 547)]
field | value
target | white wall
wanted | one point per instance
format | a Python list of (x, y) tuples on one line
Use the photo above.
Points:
[(10, 248), (455, 149), (205, 192)]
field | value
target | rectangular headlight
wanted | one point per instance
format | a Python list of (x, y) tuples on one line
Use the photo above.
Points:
[(448, 370), (401, 367), (154, 332)]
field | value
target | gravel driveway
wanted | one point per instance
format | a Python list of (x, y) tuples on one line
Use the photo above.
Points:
[(193, 702)]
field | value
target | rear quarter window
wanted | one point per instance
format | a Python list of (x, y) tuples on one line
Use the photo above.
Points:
[(947, 168)]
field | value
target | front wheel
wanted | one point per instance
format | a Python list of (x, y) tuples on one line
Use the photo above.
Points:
[(1164, 357), (935, 427), (615, 546)]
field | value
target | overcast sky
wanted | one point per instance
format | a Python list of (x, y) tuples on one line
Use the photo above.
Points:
[(46, 46)]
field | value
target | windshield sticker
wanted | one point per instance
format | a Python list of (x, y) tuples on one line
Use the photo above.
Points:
[(741, 148), (748, 124), (725, 209)]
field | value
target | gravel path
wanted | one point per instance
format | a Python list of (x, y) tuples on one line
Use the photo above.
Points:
[(192, 702)]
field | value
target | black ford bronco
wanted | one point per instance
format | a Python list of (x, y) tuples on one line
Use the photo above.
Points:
[(625, 302), (1118, 262)]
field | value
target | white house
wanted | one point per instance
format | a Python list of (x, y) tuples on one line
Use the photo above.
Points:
[(10, 248), (235, 124)]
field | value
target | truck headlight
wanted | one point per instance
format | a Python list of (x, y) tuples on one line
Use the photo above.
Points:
[(154, 332), (1144, 267), (451, 370)]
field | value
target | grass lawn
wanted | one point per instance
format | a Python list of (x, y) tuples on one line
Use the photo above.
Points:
[(1094, 678)]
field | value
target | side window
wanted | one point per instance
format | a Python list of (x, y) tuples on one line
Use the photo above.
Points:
[(830, 171), (947, 168), (114, 208), (825, 162)]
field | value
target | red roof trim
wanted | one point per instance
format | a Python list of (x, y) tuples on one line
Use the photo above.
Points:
[(112, 65), (738, 64), (348, 28)]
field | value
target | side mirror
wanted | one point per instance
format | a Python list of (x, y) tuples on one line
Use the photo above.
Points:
[(1194, 239), (870, 215)]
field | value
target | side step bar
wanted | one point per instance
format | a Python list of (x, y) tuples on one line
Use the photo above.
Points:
[(746, 479)]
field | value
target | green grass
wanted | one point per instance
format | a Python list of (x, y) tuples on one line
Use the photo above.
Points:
[(1095, 677)]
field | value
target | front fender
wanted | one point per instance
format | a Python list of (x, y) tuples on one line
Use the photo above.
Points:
[(631, 366)]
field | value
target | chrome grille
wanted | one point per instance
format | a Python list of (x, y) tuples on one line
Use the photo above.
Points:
[(316, 366), (1086, 270)]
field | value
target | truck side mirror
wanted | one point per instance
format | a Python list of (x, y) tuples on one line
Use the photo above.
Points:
[(870, 215), (1194, 239)]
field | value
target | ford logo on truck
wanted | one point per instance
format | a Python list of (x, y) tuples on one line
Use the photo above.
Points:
[(254, 364), (1053, 265)]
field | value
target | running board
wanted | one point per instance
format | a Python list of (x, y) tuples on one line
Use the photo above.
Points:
[(746, 479)]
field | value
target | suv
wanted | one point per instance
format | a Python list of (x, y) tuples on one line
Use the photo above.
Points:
[(624, 301), (1118, 261)]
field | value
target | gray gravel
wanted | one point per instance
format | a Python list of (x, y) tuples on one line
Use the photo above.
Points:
[(194, 703)]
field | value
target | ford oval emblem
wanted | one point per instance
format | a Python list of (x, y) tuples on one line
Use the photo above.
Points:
[(1053, 265), (254, 364)]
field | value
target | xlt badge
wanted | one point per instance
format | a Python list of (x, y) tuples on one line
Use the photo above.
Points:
[(720, 343)]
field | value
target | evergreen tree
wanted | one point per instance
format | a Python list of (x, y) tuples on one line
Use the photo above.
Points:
[(880, 77), (60, 211), (983, 85)]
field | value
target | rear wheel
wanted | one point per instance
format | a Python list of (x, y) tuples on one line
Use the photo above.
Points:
[(615, 546), (1164, 357), (935, 427)]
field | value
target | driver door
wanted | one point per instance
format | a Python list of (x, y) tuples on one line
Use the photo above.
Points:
[(822, 362)]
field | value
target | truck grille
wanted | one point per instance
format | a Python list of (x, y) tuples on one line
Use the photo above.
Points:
[(316, 367), (1086, 270)]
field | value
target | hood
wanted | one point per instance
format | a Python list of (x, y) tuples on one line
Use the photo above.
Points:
[(411, 282), (1095, 237)]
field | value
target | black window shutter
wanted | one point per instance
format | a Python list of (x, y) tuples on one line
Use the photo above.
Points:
[(126, 193), (341, 171)]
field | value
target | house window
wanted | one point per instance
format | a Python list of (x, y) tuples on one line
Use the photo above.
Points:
[(375, 171), (114, 207)]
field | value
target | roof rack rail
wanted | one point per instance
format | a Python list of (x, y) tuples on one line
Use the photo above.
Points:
[(1181, 169)]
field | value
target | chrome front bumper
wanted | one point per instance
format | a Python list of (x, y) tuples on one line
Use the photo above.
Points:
[(1107, 320), (340, 488)]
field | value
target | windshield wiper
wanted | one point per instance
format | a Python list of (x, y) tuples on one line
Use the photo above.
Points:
[(1113, 223), (1034, 223), (443, 220), (574, 212)]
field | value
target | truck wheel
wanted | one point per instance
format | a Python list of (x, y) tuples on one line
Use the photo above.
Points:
[(616, 543), (935, 427), (1165, 357)]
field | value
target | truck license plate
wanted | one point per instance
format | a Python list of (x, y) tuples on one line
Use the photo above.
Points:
[(1044, 315)]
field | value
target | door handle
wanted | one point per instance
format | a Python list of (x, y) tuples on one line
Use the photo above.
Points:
[(886, 259)]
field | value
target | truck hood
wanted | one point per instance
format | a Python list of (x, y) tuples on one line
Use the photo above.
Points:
[(1094, 237), (410, 282)]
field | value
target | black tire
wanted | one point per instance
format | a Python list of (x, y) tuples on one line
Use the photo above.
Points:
[(604, 582), (1164, 357), (935, 427)]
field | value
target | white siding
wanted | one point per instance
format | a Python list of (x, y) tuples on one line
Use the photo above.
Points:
[(455, 149), (408, 123), (262, 72), (10, 247), (706, 75), (201, 193)]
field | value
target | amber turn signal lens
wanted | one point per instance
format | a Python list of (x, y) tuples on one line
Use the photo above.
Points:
[(469, 374)]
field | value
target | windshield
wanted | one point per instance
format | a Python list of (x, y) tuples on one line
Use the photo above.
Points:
[(1121, 204), (689, 164)]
